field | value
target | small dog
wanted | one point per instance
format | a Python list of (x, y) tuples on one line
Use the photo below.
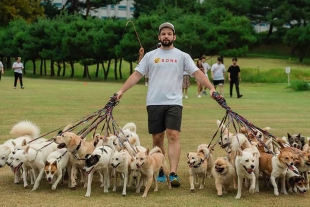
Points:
[(56, 163), (296, 140), (150, 163), (100, 160), (121, 163), (129, 132), (245, 166), (207, 151), (223, 174), (295, 182), (198, 165), (276, 166)]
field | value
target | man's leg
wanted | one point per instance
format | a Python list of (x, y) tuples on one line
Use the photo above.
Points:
[(231, 84), (158, 140), (174, 149)]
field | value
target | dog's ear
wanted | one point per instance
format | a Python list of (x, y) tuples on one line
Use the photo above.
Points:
[(24, 143), (137, 150), (59, 132), (26, 150), (55, 163), (47, 163), (187, 155), (288, 135), (86, 156), (302, 140), (147, 151), (14, 144), (239, 152)]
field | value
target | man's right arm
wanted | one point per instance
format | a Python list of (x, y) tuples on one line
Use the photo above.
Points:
[(131, 81)]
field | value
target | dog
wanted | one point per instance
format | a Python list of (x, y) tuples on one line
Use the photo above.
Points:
[(223, 173), (35, 156), (306, 147), (78, 148), (207, 151), (55, 165), (276, 166), (129, 132), (100, 160), (245, 166), (150, 163), (295, 181), (296, 140), (198, 165), (24, 130), (121, 163)]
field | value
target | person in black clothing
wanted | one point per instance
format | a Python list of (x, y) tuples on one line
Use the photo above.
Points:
[(234, 77)]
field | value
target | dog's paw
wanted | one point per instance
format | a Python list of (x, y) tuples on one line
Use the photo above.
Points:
[(124, 194), (193, 190), (54, 187), (25, 186), (144, 196), (251, 190), (276, 193), (87, 195), (238, 197)]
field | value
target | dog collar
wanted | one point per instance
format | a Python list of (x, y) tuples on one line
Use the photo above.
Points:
[(198, 165), (79, 146)]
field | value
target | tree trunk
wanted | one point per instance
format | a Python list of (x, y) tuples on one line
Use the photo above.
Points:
[(97, 70), (120, 68), (34, 67), (44, 67), (130, 63), (106, 71), (24, 71), (115, 69), (41, 67), (52, 68), (64, 68), (86, 72), (58, 68)]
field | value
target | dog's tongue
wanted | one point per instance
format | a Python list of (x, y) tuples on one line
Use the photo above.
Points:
[(191, 165), (291, 168), (249, 171)]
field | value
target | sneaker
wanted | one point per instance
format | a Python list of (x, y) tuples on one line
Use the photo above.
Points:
[(146, 84), (161, 176), (186, 96), (239, 96), (174, 180), (199, 96), (22, 87)]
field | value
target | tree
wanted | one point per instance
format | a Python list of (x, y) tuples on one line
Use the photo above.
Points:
[(299, 39), (50, 9), (20, 9)]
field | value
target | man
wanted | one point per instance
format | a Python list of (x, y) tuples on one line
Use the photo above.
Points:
[(18, 72), (165, 67), (206, 67), (218, 73), (234, 77), (1, 69)]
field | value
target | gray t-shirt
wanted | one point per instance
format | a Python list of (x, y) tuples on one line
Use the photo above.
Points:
[(218, 71), (19, 66), (165, 69), (1, 65)]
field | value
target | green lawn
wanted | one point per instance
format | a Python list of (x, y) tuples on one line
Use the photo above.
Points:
[(55, 103)]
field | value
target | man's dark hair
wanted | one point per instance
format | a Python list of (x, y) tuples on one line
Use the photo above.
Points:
[(234, 59)]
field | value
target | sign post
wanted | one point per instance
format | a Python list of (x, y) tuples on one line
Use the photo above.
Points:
[(288, 70)]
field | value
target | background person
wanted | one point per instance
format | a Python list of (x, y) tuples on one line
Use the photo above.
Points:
[(165, 67), (199, 85), (186, 84), (206, 67), (18, 72), (1, 69), (234, 77), (218, 74)]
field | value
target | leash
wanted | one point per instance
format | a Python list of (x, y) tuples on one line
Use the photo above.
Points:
[(134, 29)]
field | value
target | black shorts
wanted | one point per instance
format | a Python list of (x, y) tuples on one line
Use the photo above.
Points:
[(162, 117), (218, 82)]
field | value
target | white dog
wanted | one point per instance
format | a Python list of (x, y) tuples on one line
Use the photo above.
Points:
[(56, 163), (100, 160), (130, 134), (245, 166)]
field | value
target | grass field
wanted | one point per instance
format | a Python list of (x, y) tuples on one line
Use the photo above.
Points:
[(55, 103)]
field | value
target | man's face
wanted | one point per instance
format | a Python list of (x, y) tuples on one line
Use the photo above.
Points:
[(234, 62), (166, 37)]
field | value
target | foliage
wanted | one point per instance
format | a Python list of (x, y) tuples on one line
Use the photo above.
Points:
[(300, 85), (20, 9)]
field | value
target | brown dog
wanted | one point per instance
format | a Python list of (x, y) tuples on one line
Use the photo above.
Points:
[(198, 165), (223, 174), (150, 163)]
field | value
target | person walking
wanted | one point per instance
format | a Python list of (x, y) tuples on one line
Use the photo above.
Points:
[(206, 67), (199, 85), (165, 67), (234, 77), (18, 72), (218, 74), (186, 84), (1, 69)]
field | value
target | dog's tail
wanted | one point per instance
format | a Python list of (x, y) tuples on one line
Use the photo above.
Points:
[(155, 150), (24, 128), (131, 126)]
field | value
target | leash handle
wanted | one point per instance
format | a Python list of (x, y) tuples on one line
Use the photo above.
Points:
[(220, 100)]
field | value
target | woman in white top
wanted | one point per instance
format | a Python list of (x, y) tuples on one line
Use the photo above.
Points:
[(18, 72), (218, 73)]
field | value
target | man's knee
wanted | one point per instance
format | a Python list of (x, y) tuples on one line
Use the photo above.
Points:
[(173, 135)]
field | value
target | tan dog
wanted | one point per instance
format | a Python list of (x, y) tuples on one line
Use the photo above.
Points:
[(275, 167), (198, 165), (150, 163), (223, 174), (207, 151)]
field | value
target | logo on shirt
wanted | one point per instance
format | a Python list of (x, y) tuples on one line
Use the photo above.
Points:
[(158, 60)]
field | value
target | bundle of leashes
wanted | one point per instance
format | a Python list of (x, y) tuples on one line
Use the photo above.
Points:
[(238, 121)]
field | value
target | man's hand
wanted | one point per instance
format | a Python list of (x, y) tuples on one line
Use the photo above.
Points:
[(141, 51)]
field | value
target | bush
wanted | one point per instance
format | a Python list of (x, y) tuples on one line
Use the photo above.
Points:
[(300, 85)]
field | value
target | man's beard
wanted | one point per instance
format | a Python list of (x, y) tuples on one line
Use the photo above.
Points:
[(166, 44)]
